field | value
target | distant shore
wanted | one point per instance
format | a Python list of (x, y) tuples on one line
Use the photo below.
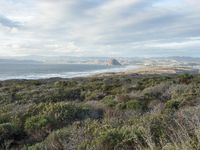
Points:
[(139, 70), (35, 72), (154, 70)]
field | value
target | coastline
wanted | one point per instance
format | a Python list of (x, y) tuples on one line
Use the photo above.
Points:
[(38, 110), (128, 70), (65, 73), (158, 70)]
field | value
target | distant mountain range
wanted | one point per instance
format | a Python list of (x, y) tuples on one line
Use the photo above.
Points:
[(13, 61), (176, 60)]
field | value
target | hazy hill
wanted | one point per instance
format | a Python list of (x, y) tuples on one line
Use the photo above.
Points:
[(13, 61)]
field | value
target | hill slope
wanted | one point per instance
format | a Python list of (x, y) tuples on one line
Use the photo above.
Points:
[(114, 112)]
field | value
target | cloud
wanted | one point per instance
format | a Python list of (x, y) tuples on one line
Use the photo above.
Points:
[(8, 22), (99, 27)]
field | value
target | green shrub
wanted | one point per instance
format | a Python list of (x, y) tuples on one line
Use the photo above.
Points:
[(169, 146), (109, 139), (61, 112), (110, 101), (125, 138), (158, 129), (57, 140), (121, 106), (173, 104), (135, 138), (122, 98), (38, 126), (72, 94), (85, 145), (7, 131), (59, 115), (65, 84), (4, 118), (36, 123), (134, 104), (185, 78)]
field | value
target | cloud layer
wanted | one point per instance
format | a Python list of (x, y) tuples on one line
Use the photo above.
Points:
[(100, 27)]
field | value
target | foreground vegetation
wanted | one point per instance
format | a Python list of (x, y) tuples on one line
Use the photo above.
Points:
[(130, 112)]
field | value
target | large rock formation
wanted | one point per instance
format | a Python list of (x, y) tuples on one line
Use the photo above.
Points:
[(113, 62)]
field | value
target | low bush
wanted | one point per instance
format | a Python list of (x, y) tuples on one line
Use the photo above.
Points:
[(109, 139), (158, 129), (8, 134), (173, 104), (57, 140), (38, 126), (110, 101), (134, 104)]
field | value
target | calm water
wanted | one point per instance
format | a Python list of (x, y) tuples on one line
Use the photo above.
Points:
[(37, 71)]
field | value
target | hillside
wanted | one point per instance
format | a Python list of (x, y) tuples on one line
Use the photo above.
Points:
[(14, 61), (122, 112)]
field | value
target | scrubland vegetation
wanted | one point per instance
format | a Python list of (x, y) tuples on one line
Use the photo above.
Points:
[(130, 112)]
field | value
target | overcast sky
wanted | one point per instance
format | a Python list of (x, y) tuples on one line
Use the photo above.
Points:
[(100, 27)]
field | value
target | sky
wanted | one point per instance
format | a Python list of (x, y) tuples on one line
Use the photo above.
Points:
[(126, 28)]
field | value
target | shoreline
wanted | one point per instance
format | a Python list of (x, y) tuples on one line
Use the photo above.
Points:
[(157, 70), (35, 113), (70, 74), (142, 70)]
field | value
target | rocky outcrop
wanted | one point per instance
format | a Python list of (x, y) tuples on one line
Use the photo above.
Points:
[(113, 62)]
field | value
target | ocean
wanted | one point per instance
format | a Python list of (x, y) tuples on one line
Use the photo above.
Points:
[(42, 71)]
